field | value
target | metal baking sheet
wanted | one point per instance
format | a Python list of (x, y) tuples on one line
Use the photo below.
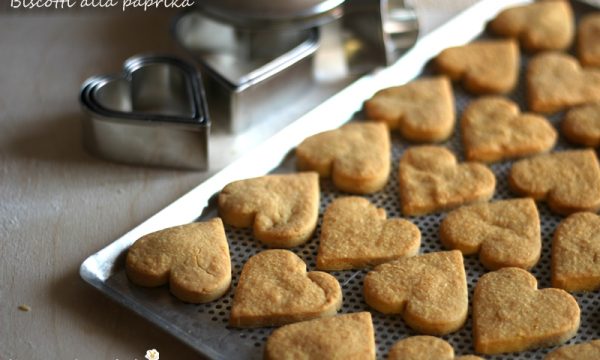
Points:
[(204, 326)]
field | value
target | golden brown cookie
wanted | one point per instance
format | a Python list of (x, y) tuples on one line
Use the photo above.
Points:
[(422, 110), (431, 180), (588, 46), (429, 291), (490, 66), (348, 336), (425, 347), (193, 259), (585, 351), (569, 181), (505, 233), (582, 125), (281, 209), (356, 234), (576, 253), (510, 314), (556, 81), (275, 289), (356, 156), (545, 25), (493, 129)]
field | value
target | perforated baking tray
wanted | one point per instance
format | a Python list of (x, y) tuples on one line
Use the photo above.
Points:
[(204, 327)]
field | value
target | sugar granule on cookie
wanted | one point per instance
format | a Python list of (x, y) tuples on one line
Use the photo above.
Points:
[(424, 347), (588, 46), (581, 125), (576, 253), (584, 351), (493, 129), (275, 289), (194, 259), (510, 314), (490, 66), (556, 81), (348, 336), (282, 209), (356, 156), (429, 291), (422, 110), (505, 233), (569, 181), (431, 180), (356, 234), (547, 25)]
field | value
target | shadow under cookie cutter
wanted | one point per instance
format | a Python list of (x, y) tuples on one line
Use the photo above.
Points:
[(154, 114)]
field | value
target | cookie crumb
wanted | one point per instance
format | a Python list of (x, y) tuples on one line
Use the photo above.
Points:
[(25, 308)]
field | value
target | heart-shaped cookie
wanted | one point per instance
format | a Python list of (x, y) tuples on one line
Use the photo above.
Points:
[(348, 336), (356, 156), (430, 291), (422, 110), (282, 209), (275, 289), (588, 46), (493, 129), (490, 66), (576, 253), (556, 81), (544, 25), (425, 347), (585, 351), (504, 233), (511, 314), (431, 180), (582, 125), (568, 180), (193, 259), (356, 234)]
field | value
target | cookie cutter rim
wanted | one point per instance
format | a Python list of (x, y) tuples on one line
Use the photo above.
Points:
[(166, 127)]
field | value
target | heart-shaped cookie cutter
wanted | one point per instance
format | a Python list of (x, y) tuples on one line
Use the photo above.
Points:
[(154, 113)]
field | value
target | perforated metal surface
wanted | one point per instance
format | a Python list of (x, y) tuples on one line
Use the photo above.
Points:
[(390, 329)]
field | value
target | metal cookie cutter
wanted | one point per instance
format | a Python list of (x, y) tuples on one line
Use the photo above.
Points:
[(154, 113), (248, 73), (380, 32), (259, 57)]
